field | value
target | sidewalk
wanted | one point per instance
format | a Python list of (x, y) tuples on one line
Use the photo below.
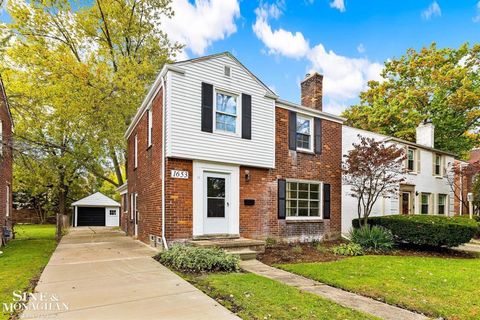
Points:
[(344, 298), (98, 273)]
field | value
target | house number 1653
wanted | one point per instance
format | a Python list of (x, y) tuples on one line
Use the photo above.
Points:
[(179, 174)]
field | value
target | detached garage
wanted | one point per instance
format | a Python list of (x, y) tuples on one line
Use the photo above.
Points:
[(96, 210)]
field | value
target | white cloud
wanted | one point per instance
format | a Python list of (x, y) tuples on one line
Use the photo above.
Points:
[(432, 11), (344, 77), (361, 48), (338, 4), (292, 45), (477, 17), (198, 25)]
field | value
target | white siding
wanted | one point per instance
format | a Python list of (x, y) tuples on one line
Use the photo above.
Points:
[(424, 181), (184, 136)]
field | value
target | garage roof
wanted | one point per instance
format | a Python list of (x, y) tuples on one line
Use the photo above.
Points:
[(97, 199)]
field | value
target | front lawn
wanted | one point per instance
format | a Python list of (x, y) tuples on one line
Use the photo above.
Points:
[(255, 297), (438, 287), (24, 258)]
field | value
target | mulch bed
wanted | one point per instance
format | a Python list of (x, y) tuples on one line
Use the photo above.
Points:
[(320, 252)]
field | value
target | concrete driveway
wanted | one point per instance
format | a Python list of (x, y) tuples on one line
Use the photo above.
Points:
[(98, 273)]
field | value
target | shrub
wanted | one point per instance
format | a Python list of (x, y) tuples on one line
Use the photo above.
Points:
[(270, 242), (297, 249), (426, 230), (348, 249), (194, 259), (373, 238)]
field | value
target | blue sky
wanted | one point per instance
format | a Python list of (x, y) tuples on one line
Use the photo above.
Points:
[(347, 41)]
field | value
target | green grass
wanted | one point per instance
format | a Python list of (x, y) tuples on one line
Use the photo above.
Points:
[(255, 297), (24, 258), (438, 287)]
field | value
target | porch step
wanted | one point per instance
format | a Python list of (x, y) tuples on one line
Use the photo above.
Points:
[(246, 248)]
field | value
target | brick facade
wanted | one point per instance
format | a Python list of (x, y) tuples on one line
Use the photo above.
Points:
[(6, 160), (146, 179)]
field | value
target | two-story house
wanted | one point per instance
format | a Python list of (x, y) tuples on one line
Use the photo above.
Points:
[(425, 190), (6, 160), (213, 152)]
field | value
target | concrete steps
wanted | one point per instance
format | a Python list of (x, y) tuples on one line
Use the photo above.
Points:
[(247, 249)]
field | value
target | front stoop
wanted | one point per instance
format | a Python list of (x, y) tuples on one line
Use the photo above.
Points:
[(247, 249)]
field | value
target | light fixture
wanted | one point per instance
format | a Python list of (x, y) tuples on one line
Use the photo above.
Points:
[(247, 175)]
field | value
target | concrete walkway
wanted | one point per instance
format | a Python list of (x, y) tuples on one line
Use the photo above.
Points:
[(99, 273), (344, 298)]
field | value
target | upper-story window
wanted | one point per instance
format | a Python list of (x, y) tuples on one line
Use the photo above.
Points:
[(410, 159), (226, 112), (438, 165), (304, 133)]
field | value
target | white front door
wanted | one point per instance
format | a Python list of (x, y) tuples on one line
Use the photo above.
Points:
[(216, 213)]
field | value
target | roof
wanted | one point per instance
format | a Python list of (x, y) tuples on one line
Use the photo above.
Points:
[(97, 199), (420, 146), (123, 188)]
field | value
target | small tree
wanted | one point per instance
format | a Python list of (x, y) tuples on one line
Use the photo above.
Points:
[(372, 169)]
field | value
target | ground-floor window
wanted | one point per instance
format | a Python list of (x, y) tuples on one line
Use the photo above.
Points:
[(425, 203), (442, 203), (303, 199)]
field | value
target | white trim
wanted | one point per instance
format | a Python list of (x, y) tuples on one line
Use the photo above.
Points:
[(135, 151), (76, 217), (150, 95), (149, 125), (320, 200), (238, 122), (7, 202), (164, 130), (311, 133), (308, 111), (199, 168)]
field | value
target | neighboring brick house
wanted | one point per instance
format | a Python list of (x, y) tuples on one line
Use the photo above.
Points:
[(213, 152), (426, 188), (6, 160)]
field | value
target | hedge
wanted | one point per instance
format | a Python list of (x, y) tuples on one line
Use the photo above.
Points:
[(426, 230)]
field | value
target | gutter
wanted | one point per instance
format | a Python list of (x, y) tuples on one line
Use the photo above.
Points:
[(164, 107)]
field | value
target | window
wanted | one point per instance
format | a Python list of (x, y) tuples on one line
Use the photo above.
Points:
[(215, 197), (8, 202), (442, 203), (150, 127), (227, 71), (135, 152), (303, 199), (425, 203), (226, 113), (438, 165), (132, 205), (304, 133), (411, 159), (125, 202), (112, 212)]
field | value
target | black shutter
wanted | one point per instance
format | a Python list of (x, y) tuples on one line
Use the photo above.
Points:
[(282, 193), (246, 116), (326, 201), (318, 136), (207, 107), (292, 130)]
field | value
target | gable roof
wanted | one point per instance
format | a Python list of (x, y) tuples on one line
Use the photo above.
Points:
[(269, 91), (97, 199)]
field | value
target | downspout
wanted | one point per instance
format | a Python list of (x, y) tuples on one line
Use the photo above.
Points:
[(164, 239)]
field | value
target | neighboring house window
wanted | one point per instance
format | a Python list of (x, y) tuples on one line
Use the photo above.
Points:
[(226, 115), (136, 207), (425, 203), (304, 133), (442, 203), (303, 199), (113, 212), (135, 152), (438, 165), (150, 127), (8, 202), (411, 159), (132, 205)]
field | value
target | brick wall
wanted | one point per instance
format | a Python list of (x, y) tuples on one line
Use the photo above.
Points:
[(146, 179), (260, 220), (6, 160)]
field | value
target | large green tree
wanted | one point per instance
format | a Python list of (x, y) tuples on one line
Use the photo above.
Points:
[(75, 77), (442, 85)]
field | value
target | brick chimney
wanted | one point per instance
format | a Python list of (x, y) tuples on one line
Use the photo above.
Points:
[(312, 91)]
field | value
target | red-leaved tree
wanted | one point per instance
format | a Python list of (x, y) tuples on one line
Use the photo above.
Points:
[(372, 169)]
